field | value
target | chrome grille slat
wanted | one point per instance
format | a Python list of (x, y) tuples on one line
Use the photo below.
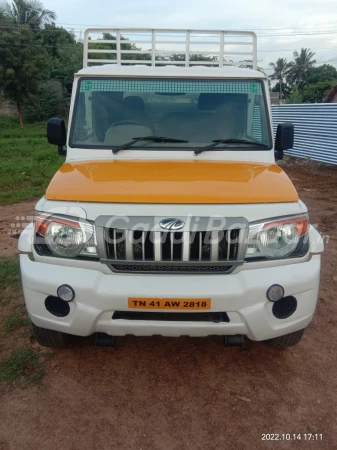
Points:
[(228, 244), (186, 246), (114, 242), (171, 243), (143, 246), (128, 239), (214, 245), (200, 245), (157, 245)]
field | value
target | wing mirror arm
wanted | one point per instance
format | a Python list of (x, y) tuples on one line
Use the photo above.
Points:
[(278, 155), (61, 150)]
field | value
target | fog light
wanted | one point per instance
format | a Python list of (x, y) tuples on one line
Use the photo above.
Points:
[(56, 306), (66, 293), (285, 307), (275, 293)]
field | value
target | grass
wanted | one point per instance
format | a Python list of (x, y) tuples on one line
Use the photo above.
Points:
[(27, 161), (10, 293), (19, 365), (14, 321), (22, 366), (10, 282)]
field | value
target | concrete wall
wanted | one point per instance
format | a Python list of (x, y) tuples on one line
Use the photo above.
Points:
[(8, 110)]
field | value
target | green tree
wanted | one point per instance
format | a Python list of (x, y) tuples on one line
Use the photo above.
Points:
[(314, 75), (316, 93), (27, 12), (303, 61), (55, 39), (4, 21), (68, 62), (65, 52), (24, 65), (281, 68)]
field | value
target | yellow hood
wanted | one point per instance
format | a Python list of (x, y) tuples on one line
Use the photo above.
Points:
[(171, 182)]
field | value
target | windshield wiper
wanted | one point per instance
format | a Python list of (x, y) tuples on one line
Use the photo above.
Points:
[(159, 139), (227, 141)]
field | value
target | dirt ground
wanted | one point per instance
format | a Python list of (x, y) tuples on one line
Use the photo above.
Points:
[(184, 393), (13, 219)]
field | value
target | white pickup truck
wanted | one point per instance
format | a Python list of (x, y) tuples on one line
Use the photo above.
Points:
[(169, 216)]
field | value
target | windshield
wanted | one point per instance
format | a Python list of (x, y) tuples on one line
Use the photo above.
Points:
[(109, 113)]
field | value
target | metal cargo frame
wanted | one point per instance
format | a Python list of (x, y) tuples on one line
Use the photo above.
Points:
[(244, 46), (315, 129)]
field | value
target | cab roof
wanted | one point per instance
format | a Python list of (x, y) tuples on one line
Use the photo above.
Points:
[(195, 71)]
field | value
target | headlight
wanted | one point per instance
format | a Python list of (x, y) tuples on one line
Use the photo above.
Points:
[(64, 237), (280, 238)]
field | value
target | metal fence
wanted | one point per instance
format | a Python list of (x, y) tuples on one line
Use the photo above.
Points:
[(315, 129)]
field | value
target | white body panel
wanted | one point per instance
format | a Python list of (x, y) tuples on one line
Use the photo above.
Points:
[(117, 70), (242, 296)]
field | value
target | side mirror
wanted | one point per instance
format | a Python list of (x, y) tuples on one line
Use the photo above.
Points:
[(284, 139), (56, 134)]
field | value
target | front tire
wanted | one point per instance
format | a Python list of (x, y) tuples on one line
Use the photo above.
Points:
[(288, 340), (51, 338)]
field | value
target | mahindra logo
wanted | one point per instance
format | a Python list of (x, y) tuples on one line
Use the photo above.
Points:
[(171, 224)]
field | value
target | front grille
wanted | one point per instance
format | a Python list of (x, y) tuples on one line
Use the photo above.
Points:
[(172, 268), (216, 317), (142, 246), (190, 251)]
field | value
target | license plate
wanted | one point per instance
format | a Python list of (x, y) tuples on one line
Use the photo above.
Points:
[(170, 303)]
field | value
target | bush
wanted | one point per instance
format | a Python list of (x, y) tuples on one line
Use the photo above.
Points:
[(294, 98), (46, 104)]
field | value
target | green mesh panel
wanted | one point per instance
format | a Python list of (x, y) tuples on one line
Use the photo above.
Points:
[(257, 125), (172, 86)]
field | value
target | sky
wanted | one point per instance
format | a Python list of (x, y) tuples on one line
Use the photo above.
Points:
[(282, 27)]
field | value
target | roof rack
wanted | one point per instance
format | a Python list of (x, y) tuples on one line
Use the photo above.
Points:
[(167, 46)]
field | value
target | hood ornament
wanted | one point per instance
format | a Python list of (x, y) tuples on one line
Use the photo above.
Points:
[(171, 224)]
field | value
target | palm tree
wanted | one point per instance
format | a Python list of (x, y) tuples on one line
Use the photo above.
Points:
[(281, 68), (30, 12), (302, 62)]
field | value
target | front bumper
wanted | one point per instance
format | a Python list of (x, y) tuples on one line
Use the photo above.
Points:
[(241, 295)]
